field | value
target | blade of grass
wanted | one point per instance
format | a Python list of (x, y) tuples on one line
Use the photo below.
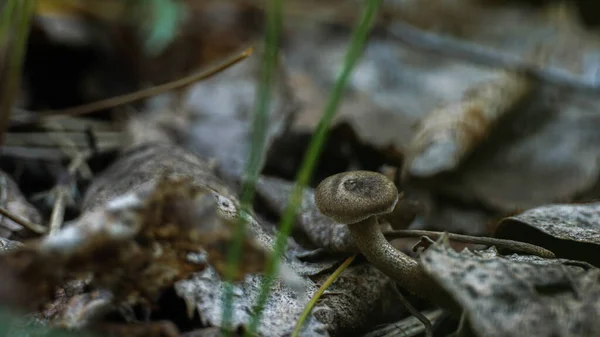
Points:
[(11, 70), (318, 294), (259, 123), (7, 12), (314, 151)]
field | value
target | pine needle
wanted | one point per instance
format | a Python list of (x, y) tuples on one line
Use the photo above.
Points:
[(315, 298)]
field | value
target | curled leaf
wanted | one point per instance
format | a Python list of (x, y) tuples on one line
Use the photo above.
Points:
[(501, 295), (569, 230), (450, 133)]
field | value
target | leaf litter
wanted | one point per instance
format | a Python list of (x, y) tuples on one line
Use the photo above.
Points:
[(475, 144), (504, 294)]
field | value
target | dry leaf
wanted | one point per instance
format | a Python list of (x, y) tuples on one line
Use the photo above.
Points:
[(135, 245), (523, 295), (448, 134), (7, 245), (361, 298), (13, 201), (570, 231), (142, 165), (204, 293), (215, 116)]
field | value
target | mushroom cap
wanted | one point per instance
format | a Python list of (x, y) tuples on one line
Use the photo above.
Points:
[(351, 197)]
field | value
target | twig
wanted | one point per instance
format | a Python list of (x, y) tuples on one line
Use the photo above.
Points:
[(58, 211), (62, 191), (70, 140), (135, 96), (450, 47), (515, 246), (29, 225), (414, 312), (318, 293), (36, 153), (407, 327)]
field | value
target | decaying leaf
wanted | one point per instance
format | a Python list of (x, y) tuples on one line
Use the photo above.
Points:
[(450, 133), (137, 244), (204, 293), (13, 201), (361, 298), (570, 230), (502, 295), (143, 165), (215, 119), (83, 310), (7, 245), (71, 301)]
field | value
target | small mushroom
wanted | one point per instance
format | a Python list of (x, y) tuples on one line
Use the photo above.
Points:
[(356, 198)]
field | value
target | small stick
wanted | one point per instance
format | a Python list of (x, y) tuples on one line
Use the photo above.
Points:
[(413, 311), (62, 193), (516, 246), (58, 211), (29, 225), (135, 96)]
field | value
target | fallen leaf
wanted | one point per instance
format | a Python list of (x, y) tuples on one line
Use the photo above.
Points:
[(143, 165), (362, 297), (571, 231), (504, 294), (448, 134), (14, 202), (204, 292), (7, 245), (215, 116)]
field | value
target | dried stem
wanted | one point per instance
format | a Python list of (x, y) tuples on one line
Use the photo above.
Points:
[(58, 211), (515, 246), (418, 315), (29, 225), (136, 96)]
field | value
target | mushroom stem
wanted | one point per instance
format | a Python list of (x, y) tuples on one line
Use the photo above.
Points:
[(402, 268)]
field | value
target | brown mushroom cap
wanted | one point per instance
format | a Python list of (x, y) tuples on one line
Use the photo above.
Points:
[(351, 197)]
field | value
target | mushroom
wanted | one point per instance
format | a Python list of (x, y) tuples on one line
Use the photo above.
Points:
[(356, 198)]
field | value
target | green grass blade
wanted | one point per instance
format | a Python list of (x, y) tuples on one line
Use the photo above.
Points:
[(315, 298), (6, 11), (259, 124), (10, 76), (314, 151)]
